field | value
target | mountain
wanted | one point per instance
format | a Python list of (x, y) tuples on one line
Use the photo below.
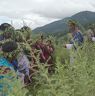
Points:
[(83, 18)]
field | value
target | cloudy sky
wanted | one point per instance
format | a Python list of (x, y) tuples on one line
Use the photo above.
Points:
[(35, 13)]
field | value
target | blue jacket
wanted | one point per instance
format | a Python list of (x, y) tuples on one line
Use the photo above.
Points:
[(78, 37)]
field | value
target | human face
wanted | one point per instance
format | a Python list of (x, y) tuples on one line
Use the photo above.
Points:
[(71, 26)]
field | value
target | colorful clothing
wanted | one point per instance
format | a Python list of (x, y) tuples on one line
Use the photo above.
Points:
[(4, 62), (3, 81)]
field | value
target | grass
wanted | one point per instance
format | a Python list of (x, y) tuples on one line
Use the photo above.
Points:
[(76, 79)]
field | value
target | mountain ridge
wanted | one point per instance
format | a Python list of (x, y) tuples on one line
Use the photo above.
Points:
[(83, 18)]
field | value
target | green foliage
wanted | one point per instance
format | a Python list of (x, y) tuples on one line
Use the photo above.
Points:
[(76, 78)]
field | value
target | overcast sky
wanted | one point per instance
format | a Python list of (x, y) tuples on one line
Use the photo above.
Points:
[(35, 13)]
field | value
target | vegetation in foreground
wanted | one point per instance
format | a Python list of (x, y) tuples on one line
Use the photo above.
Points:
[(74, 78)]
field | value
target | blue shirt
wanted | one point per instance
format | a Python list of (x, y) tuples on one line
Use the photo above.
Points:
[(5, 63), (15, 65), (78, 37)]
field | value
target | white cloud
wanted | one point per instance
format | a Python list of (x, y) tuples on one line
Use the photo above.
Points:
[(40, 12)]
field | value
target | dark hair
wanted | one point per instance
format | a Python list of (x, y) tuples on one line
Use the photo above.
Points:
[(9, 46), (5, 26)]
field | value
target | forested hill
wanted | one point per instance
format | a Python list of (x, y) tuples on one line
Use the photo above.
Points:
[(83, 18)]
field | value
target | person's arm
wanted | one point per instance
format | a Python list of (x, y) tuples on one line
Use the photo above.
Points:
[(42, 55)]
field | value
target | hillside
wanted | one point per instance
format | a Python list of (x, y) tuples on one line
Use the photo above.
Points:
[(83, 18)]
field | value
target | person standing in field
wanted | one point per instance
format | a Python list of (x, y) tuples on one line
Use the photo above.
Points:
[(48, 54), (77, 37), (76, 33)]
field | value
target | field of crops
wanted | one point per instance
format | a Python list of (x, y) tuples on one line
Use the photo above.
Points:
[(74, 73), (75, 79)]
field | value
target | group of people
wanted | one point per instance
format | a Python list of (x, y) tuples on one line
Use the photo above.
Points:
[(46, 50), (41, 49), (20, 61)]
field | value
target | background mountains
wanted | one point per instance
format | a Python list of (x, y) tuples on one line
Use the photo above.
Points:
[(83, 19)]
